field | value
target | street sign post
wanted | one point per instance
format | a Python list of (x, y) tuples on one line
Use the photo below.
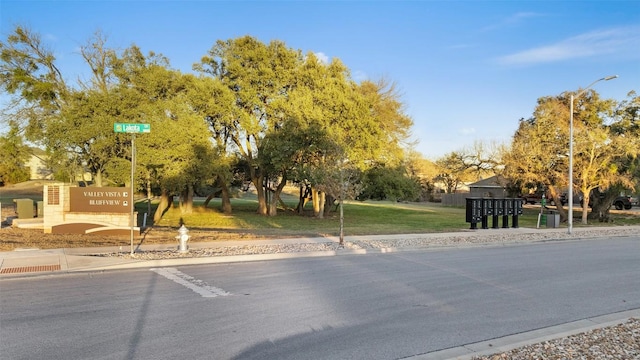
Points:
[(132, 129)]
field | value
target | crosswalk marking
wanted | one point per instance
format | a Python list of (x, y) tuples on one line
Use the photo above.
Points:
[(198, 286)]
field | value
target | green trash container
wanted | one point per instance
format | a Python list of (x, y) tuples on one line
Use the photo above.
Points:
[(24, 208)]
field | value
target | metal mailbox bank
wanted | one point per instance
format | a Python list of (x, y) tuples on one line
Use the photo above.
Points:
[(478, 210)]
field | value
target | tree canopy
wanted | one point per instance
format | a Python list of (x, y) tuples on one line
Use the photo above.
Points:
[(283, 116), (543, 140), (14, 154)]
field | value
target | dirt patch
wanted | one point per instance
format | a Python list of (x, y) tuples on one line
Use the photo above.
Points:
[(30, 189), (12, 238)]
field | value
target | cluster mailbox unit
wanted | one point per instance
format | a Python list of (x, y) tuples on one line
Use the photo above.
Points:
[(480, 209)]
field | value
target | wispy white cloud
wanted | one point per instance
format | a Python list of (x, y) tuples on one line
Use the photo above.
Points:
[(518, 17), (462, 46), (467, 131), (356, 75), (322, 57), (622, 41), (514, 19), (50, 37), (359, 75)]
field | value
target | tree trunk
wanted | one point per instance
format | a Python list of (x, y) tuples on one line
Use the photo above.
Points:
[(165, 202), (209, 198), (300, 206), (322, 203), (226, 197), (98, 178), (557, 200), (449, 187), (561, 211), (186, 201), (601, 204), (585, 207), (318, 198), (303, 199), (273, 204), (314, 201), (600, 212), (330, 200), (258, 183), (267, 193), (149, 194)]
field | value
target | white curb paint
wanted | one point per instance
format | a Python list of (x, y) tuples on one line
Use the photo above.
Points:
[(198, 286)]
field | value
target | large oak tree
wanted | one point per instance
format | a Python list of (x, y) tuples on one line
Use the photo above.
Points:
[(539, 150)]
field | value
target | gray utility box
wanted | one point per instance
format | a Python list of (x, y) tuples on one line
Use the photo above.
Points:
[(24, 208), (553, 219), (40, 208)]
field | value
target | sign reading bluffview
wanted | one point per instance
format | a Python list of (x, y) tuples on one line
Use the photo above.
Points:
[(100, 199)]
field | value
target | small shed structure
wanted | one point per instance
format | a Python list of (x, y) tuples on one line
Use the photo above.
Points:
[(493, 187)]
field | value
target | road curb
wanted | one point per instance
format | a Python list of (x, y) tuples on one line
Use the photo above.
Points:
[(136, 264), (510, 342)]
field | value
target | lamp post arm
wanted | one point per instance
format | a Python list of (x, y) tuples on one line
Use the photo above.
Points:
[(593, 83)]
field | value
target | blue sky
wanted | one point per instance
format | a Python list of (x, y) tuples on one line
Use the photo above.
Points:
[(467, 70)]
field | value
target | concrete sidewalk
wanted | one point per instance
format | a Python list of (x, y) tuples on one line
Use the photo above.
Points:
[(29, 262)]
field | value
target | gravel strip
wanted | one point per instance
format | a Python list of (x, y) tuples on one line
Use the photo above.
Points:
[(413, 241), (478, 238), (229, 251), (613, 342)]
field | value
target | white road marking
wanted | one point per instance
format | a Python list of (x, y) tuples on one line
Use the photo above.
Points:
[(198, 286)]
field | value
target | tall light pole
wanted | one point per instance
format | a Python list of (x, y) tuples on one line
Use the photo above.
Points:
[(570, 215)]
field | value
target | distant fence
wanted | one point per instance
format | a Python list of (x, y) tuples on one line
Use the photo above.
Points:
[(457, 199)]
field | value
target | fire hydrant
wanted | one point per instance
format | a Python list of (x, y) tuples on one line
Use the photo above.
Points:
[(183, 237)]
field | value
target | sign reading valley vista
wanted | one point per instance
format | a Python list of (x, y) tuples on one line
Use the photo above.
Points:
[(131, 128), (100, 199)]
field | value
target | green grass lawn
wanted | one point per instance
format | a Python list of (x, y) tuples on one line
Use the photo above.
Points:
[(360, 218)]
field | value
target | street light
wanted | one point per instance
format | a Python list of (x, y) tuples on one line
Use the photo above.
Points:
[(570, 215)]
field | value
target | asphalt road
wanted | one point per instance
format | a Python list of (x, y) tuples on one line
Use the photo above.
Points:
[(384, 306)]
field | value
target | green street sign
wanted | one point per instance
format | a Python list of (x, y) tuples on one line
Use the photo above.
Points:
[(131, 128)]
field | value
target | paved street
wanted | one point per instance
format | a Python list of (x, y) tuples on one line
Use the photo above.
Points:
[(378, 306)]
